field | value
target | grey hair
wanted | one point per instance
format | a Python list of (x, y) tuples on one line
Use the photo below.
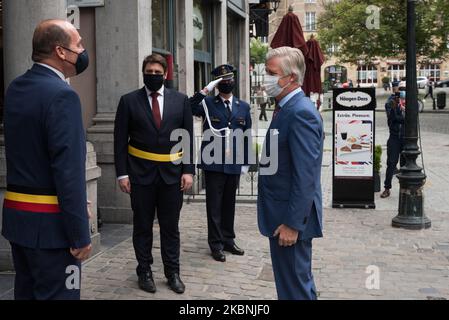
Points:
[(291, 61)]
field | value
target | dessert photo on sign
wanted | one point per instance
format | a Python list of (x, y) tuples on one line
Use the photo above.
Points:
[(353, 140)]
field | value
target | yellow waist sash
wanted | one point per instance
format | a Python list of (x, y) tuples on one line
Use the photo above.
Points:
[(154, 156)]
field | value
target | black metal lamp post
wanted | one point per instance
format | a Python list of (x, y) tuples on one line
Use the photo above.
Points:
[(411, 178)]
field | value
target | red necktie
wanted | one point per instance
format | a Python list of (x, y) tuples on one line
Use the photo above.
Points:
[(156, 110)]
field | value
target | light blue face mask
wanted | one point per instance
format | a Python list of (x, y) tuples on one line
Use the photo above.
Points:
[(402, 95)]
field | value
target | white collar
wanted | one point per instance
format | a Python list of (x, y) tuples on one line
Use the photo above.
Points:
[(59, 73), (230, 99), (160, 91)]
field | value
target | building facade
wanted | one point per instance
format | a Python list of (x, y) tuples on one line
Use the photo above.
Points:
[(333, 72)]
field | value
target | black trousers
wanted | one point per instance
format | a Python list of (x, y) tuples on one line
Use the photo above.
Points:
[(220, 203), (394, 150), (166, 200), (45, 274)]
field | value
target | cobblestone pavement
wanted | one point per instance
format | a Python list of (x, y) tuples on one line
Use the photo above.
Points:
[(411, 264)]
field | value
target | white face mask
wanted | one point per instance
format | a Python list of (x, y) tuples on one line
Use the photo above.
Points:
[(272, 86)]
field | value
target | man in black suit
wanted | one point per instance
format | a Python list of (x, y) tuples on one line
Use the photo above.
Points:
[(152, 170)]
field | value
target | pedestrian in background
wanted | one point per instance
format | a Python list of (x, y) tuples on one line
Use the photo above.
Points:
[(45, 214), (262, 99), (430, 93), (395, 115)]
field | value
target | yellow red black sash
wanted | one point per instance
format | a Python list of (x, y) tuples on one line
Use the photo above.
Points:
[(31, 199)]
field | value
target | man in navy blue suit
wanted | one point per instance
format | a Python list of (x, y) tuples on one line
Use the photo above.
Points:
[(45, 214), (229, 157), (289, 202)]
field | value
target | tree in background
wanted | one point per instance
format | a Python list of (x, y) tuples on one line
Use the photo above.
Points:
[(344, 24), (259, 51)]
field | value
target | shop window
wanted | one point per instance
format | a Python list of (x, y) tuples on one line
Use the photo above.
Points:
[(163, 32), (203, 42), (431, 71), (234, 40), (367, 74), (396, 71)]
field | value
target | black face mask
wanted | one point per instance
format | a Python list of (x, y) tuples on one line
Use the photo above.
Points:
[(82, 62), (153, 81), (226, 87)]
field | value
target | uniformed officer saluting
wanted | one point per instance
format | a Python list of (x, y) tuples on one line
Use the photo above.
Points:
[(222, 177)]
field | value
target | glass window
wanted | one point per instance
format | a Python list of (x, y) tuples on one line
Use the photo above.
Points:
[(202, 37), (367, 74), (432, 71), (234, 38), (396, 71), (160, 24), (310, 21), (201, 26)]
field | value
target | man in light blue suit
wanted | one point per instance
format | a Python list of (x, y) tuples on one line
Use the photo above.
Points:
[(290, 203)]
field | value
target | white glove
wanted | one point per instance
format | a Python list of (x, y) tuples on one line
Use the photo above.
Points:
[(212, 85), (245, 169)]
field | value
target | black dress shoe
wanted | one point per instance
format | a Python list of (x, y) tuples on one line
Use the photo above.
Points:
[(175, 283), (234, 250), (219, 255), (146, 282)]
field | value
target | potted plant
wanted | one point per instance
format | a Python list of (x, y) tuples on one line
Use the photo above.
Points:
[(377, 166)]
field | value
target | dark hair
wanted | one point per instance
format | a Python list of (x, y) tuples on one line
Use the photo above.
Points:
[(155, 58), (46, 37)]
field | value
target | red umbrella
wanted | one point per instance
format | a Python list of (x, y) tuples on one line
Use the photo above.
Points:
[(314, 61), (289, 34)]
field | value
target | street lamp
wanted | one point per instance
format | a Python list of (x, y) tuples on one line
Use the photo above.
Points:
[(275, 4), (411, 178)]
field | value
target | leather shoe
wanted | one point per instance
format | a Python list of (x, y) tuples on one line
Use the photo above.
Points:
[(385, 194), (175, 283), (219, 255), (146, 282), (234, 250)]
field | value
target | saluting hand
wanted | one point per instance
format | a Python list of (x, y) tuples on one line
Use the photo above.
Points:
[(287, 236), (186, 182), (211, 86)]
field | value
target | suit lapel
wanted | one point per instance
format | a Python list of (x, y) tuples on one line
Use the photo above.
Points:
[(221, 107), (235, 107), (145, 104)]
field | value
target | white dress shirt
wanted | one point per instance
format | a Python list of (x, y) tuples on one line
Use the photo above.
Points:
[(160, 99), (59, 73), (230, 101)]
